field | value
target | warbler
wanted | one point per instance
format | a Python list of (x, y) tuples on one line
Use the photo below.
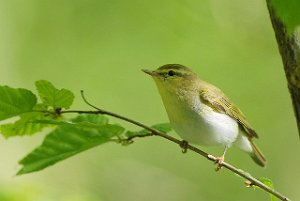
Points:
[(201, 113)]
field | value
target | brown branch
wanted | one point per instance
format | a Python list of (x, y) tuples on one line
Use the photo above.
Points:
[(252, 180), (290, 53)]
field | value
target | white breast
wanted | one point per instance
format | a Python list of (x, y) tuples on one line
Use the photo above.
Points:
[(197, 123)]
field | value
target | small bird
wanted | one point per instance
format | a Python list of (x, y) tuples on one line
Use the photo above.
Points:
[(201, 114)]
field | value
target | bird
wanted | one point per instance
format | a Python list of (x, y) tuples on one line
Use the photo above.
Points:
[(201, 114)]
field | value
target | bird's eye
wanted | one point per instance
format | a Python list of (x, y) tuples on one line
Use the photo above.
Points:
[(171, 73)]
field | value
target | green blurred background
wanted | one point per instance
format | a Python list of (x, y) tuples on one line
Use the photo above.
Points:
[(100, 46)]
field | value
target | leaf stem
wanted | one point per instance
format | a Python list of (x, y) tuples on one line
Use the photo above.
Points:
[(154, 132)]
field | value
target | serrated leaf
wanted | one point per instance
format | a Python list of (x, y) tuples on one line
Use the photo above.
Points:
[(269, 183), (15, 101), (163, 127), (288, 12), (68, 140), (52, 96), (25, 125)]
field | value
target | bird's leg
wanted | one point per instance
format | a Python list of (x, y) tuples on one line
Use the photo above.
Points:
[(221, 159), (184, 144)]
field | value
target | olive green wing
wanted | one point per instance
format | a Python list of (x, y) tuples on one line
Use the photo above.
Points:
[(219, 102)]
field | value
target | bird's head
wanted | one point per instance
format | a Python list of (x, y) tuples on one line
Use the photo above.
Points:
[(172, 77)]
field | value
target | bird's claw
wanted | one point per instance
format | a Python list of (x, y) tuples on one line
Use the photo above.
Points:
[(219, 161), (184, 145)]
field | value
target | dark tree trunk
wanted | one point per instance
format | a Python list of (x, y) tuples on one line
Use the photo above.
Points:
[(290, 53)]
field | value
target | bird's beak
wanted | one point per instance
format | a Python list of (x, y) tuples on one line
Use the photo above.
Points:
[(149, 72)]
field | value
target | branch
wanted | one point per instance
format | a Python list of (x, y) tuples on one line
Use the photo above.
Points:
[(290, 53), (252, 181)]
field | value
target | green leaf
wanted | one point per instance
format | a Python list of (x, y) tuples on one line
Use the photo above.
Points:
[(163, 127), (269, 183), (14, 101), (92, 118), (67, 140), (82, 121), (53, 97), (25, 125), (288, 12)]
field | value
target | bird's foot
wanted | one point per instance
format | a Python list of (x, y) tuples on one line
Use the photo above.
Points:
[(184, 145), (219, 161)]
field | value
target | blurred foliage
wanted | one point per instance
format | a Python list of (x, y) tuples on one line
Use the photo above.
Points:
[(100, 46), (288, 11), (32, 192), (269, 183)]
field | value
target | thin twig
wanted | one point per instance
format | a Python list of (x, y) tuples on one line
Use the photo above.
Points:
[(253, 181)]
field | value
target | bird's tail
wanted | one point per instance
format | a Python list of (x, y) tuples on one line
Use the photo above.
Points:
[(257, 155)]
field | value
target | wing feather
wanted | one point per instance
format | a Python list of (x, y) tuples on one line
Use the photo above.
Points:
[(220, 103)]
